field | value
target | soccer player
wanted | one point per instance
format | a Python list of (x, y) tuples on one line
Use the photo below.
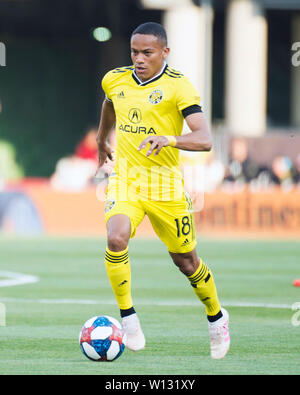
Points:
[(148, 102)]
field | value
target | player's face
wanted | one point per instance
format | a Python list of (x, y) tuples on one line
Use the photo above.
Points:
[(148, 55)]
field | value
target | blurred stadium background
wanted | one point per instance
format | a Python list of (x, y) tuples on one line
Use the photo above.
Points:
[(243, 56), (238, 53)]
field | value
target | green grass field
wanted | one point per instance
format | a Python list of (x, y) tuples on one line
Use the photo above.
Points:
[(43, 319)]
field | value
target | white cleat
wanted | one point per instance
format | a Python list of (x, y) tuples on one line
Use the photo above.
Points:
[(219, 336), (135, 337)]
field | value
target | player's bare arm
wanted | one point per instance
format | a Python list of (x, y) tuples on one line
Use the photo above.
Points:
[(107, 121), (199, 139)]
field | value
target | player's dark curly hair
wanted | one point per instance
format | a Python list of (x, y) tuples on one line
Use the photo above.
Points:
[(156, 29)]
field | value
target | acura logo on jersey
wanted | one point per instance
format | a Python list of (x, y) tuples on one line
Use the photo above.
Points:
[(135, 115), (156, 97), (136, 129)]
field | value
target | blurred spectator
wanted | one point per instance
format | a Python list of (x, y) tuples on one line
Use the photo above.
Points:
[(87, 147), (214, 172), (296, 171), (76, 172), (9, 168), (73, 174), (282, 171), (192, 166), (241, 168), (202, 171)]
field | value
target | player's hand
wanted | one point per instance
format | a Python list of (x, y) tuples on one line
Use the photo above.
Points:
[(156, 143), (104, 152)]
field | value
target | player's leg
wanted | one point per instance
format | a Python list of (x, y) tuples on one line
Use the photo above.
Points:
[(174, 224), (117, 259), (122, 218), (202, 281)]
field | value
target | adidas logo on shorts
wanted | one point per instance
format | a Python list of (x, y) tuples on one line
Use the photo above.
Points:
[(186, 241)]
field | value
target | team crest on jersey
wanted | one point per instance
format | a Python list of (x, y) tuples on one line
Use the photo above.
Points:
[(156, 96), (109, 205)]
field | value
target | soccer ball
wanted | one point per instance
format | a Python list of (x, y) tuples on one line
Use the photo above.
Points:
[(102, 339)]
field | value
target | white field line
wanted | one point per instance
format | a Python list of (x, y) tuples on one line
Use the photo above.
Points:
[(12, 279), (143, 302)]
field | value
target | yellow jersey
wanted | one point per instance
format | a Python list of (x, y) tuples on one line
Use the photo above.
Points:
[(150, 108)]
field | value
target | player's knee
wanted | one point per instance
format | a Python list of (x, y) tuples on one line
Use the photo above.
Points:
[(118, 232), (186, 267), (187, 263), (117, 242)]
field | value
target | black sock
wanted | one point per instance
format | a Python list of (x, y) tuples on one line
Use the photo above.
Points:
[(213, 318), (127, 312)]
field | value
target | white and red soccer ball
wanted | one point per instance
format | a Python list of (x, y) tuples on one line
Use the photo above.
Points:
[(102, 338)]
